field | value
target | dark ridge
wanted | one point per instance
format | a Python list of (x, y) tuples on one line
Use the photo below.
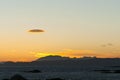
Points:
[(108, 71), (33, 71), (17, 77), (55, 79)]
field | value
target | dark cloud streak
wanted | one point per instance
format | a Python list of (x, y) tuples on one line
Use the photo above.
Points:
[(107, 45), (36, 30), (110, 44)]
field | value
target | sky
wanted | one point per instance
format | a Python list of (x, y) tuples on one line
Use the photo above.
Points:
[(73, 28)]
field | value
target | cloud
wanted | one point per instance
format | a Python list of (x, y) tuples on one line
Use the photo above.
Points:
[(107, 45), (36, 30), (103, 45), (110, 44)]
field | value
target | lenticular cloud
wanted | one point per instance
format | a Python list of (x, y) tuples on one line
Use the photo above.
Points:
[(36, 30)]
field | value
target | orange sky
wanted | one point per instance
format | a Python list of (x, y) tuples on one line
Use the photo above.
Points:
[(14, 56), (73, 28)]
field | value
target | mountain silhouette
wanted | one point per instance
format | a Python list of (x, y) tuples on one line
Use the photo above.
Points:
[(53, 58)]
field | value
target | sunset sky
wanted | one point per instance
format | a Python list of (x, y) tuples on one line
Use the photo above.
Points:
[(73, 28)]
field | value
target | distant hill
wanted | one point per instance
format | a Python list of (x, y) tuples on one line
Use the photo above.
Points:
[(57, 57), (52, 58)]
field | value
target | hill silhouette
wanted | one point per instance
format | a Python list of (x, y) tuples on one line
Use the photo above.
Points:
[(52, 58)]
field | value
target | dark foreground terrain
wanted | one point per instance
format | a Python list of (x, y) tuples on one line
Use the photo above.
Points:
[(64, 69)]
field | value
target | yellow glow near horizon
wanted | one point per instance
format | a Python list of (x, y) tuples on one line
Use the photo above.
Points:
[(38, 55), (66, 53), (76, 53)]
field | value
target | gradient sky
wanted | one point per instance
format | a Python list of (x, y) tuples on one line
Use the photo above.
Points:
[(73, 28)]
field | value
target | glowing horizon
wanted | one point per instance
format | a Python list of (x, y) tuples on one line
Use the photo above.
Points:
[(64, 53)]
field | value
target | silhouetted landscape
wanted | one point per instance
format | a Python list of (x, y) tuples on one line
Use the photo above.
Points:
[(63, 68)]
